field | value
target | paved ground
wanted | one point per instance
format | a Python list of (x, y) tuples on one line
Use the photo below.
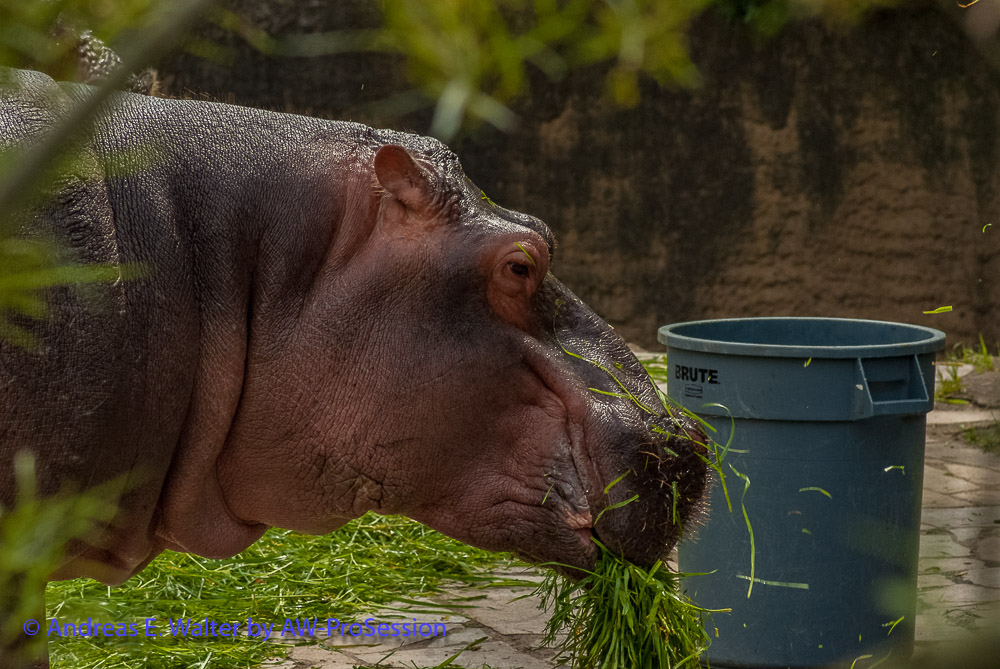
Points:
[(959, 581)]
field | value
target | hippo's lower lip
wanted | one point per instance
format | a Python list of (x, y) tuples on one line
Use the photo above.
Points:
[(582, 525), (576, 517), (587, 476), (586, 535), (580, 521)]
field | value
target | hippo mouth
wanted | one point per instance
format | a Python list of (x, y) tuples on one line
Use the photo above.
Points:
[(579, 491), (586, 469), (582, 499), (588, 477), (583, 527), (573, 495), (626, 481)]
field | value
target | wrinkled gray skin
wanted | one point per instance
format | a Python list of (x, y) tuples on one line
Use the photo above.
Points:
[(334, 320)]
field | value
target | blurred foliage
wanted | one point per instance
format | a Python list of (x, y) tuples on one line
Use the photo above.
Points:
[(470, 58), (768, 17), (41, 34), (44, 35), (27, 269), (33, 535), (473, 57)]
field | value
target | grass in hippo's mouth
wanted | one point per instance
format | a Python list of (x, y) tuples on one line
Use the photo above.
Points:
[(348, 575), (621, 616)]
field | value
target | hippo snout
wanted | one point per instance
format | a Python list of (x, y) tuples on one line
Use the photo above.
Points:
[(661, 492)]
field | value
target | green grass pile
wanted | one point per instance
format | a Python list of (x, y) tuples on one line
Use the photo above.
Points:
[(350, 574), (621, 616)]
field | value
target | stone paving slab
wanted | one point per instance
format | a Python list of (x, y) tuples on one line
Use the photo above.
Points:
[(962, 416), (499, 628), (958, 579), (959, 568)]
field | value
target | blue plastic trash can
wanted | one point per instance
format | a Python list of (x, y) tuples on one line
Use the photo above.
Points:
[(827, 418)]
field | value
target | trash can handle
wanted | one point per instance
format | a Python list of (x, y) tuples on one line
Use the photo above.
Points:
[(889, 386)]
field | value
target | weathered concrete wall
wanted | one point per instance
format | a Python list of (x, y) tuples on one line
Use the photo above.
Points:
[(820, 173)]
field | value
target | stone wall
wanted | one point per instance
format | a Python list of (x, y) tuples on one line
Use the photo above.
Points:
[(824, 172)]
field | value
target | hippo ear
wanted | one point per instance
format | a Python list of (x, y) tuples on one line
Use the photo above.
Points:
[(400, 175)]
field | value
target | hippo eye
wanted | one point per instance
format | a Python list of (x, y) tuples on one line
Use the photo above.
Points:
[(520, 269)]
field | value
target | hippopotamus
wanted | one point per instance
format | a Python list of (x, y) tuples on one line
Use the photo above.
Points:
[(317, 319)]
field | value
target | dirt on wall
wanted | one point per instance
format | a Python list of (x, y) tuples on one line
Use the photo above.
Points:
[(826, 172)]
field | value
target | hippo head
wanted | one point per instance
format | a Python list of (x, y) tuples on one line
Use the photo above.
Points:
[(441, 371)]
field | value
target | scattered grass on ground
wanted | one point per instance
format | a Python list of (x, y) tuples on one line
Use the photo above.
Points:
[(979, 357), (986, 437), (349, 574), (949, 386)]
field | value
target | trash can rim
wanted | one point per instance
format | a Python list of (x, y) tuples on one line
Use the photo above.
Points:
[(926, 340)]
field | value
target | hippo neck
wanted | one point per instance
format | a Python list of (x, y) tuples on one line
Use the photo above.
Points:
[(235, 209)]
